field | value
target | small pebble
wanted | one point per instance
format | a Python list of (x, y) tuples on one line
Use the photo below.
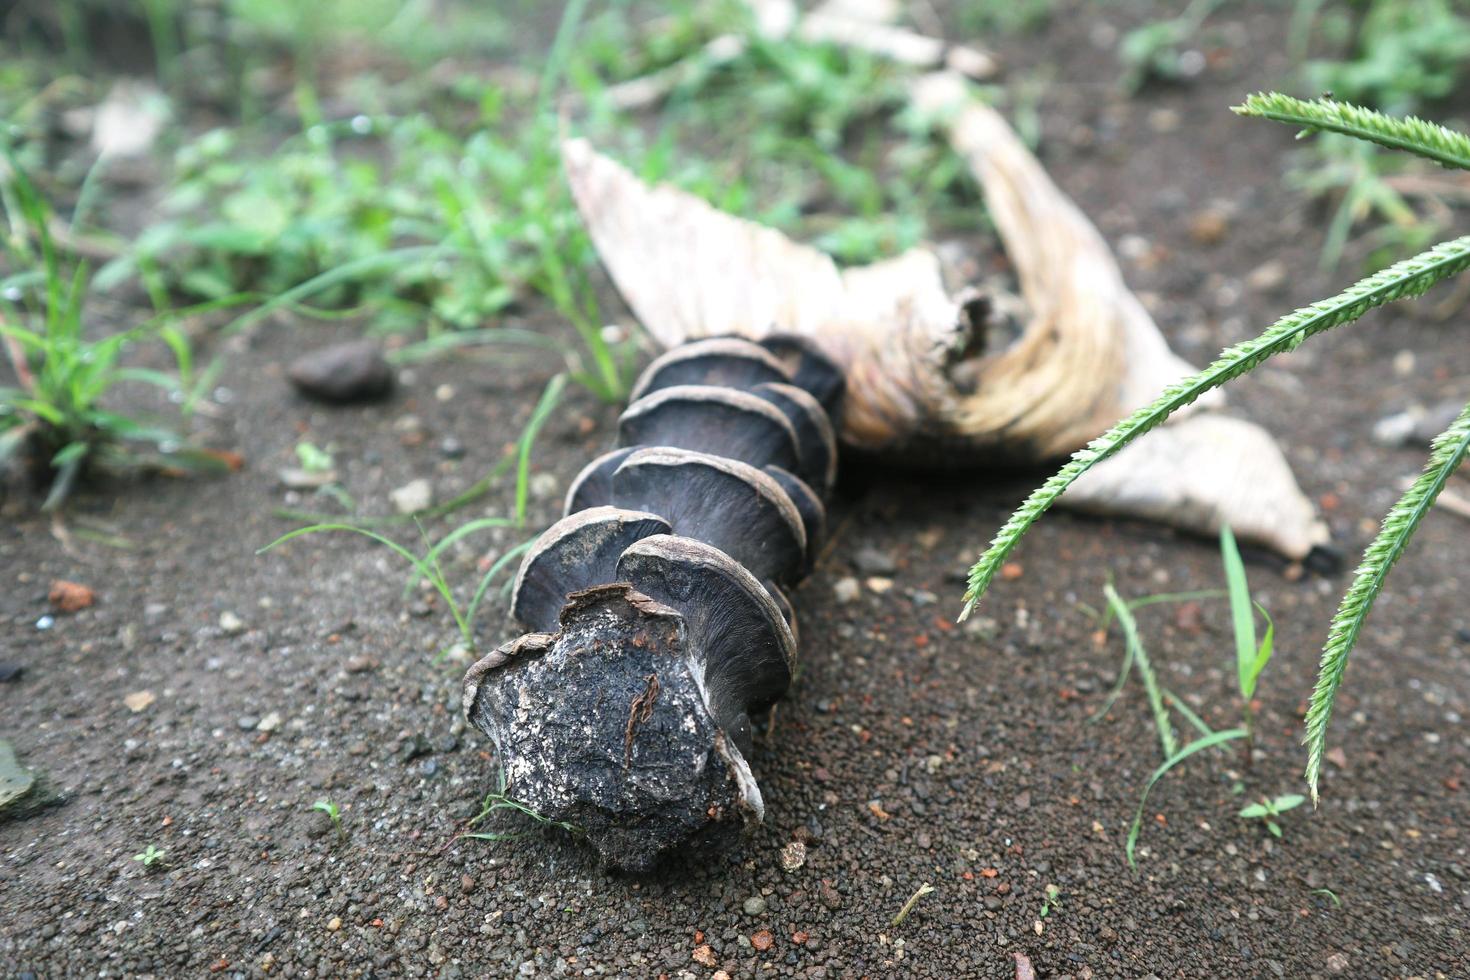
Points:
[(872, 561), (350, 372), (879, 584), (1268, 277), (412, 497), (1209, 227), (846, 590), (755, 905), (69, 597), (299, 479), (138, 700), (231, 624)]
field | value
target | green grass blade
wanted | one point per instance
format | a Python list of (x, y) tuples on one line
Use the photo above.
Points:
[(1420, 137), (66, 478), (458, 339), (560, 53), (147, 376), (1153, 600), (1145, 669), (347, 272), (463, 531), (479, 489), (1448, 452), (1195, 721), (1123, 671), (495, 570), (549, 397), (1411, 277), (1263, 652), (11, 440), (426, 567), (412, 558), (1242, 615), (1198, 745)]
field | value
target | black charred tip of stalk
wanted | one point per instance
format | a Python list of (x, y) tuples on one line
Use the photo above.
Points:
[(809, 368), (730, 362), (723, 502), (592, 487), (721, 421), (575, 553), (816, 442), (606, 725)]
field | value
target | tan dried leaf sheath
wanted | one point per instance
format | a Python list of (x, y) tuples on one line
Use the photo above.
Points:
[(921, 381)]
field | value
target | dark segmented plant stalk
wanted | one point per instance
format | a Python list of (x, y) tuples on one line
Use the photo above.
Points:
[(658, 625), (1450, 449)]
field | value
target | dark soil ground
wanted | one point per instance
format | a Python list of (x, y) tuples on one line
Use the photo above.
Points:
[(911, 752)]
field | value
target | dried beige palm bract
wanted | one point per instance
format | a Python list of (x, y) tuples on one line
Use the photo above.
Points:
[(930, 376)]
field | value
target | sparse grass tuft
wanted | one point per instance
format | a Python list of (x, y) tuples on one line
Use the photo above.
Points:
[(1396, 56), (1250, 659), (1404, 280), (498, 801), (1157, 51), (55, 418), (427, 567)]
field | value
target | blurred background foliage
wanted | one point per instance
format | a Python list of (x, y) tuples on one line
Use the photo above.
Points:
[(416, 139)]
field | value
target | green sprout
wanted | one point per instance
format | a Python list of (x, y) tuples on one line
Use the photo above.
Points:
[(1053, 900), (1328, 894), (334, 813), (151, 857), (313, 459), (1269, 809)]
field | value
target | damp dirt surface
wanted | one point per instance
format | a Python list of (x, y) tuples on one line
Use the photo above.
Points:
[(911, 752)]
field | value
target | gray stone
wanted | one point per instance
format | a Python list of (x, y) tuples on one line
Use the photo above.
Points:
[(342, 373)]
